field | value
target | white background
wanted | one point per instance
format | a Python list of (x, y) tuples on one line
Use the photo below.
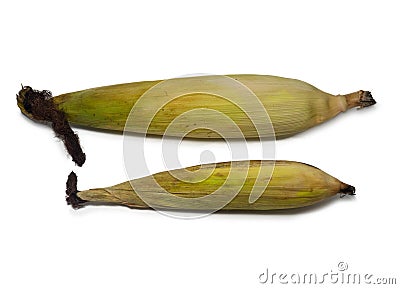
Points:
[(63, 46)]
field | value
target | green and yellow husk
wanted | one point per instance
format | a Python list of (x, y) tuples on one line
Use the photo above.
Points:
[(293, 106), (291, 185)]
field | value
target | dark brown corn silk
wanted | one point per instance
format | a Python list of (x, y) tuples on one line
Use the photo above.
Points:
[(71, 191), (39, 106)]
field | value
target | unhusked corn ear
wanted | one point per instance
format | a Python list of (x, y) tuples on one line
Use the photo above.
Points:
[(292, 105), (291, 185), (232, 106)]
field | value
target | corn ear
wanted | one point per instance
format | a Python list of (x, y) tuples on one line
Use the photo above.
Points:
[(287, 185), (292, 105)]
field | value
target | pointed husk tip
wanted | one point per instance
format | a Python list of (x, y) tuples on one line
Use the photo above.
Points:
[(366, 99), (360, 99), (347, 190)]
